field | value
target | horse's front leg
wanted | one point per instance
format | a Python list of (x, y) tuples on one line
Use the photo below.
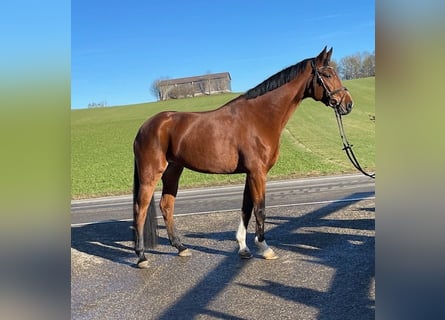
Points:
[(258, 191), (246, 213)]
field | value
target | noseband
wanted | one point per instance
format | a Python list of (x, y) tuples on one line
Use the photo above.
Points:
[(332, 102)]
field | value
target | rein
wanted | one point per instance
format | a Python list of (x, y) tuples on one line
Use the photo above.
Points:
[(348, 147), (332, 103)]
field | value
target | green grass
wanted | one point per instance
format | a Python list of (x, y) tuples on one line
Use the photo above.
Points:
[(101, 142)]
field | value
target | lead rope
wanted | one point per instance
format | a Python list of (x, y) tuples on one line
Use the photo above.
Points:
[(348, 147)]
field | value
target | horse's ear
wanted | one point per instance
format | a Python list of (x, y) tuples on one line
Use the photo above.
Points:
[(320, 59), (328, 57)]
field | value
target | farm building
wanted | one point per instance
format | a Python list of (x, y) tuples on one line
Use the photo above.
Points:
[(194, 86)]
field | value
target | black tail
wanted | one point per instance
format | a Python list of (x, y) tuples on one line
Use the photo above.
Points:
[(151, 221), (151, 226)]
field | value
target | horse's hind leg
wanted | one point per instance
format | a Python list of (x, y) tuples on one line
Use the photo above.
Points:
[(146, 177), (141, 206), (170, 181)]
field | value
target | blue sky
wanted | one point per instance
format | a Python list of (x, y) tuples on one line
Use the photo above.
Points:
[(118, 48)]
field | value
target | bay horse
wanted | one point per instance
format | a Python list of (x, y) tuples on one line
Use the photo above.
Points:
[(242, 136)]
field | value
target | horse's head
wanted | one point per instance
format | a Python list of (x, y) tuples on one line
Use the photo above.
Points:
[(326, 85)]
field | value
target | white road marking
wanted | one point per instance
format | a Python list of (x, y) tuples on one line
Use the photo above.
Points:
[(237, 210)]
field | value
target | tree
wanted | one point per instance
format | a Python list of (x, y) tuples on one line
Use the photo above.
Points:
[(350, 67), (359, 65), (101, 104), (158, 91), (368, 65), (155, 90)]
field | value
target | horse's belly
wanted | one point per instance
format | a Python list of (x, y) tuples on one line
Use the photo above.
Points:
[(208, 159)]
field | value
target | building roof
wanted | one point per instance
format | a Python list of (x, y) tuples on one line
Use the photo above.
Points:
[(195, 79)]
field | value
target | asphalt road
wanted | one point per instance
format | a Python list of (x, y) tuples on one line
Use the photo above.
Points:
[(323, 230)]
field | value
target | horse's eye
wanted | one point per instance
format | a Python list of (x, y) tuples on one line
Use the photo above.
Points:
[(327, 75)]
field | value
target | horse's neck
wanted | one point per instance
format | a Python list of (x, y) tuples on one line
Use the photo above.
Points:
[(282, 103)]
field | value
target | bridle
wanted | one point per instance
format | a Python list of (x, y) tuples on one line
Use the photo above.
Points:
[(347, 147), (317, 77)]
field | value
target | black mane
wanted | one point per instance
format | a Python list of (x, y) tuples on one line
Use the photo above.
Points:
[(277, 80)]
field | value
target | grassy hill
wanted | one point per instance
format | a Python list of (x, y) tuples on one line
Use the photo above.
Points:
[(101, 141)]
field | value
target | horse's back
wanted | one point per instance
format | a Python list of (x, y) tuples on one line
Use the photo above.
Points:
[(163, 125)]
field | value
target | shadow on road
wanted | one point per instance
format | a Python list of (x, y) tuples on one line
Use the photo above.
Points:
[(348, 296), (105, 240), (351, 256)]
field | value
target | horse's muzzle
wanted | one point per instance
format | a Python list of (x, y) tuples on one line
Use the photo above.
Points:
[(346, 108)]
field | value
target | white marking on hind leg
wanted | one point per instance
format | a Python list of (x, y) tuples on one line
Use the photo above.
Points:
[(244, 251), (265, 250)]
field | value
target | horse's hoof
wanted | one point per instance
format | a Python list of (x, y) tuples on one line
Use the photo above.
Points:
[(269, 254), (185, 253), (143, 264), (245, 254)]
